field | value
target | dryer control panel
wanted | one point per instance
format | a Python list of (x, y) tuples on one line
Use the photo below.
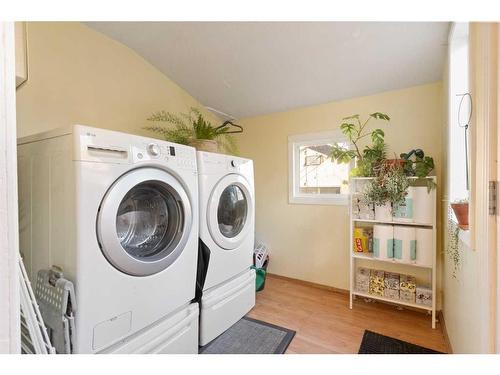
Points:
[(212, 163)]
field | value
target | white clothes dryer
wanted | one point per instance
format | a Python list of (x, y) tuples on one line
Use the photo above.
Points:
[(227, 225)]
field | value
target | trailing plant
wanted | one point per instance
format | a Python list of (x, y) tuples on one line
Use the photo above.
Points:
[(369, 158), (417, 164), (185, 127), (389, 186), (452, 248)]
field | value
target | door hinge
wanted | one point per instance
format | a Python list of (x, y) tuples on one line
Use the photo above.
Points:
[(492, 197)]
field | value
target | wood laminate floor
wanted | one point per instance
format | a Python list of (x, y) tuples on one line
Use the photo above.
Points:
[(325, 324)]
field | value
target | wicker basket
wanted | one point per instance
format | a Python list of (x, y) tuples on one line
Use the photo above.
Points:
[(204, 145)]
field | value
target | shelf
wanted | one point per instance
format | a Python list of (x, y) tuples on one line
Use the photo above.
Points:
[(408, 177), (429, 271), (397, 302), (369, 256), (393, 223)]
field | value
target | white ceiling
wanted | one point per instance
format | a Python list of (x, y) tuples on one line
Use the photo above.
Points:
[(252, 68)]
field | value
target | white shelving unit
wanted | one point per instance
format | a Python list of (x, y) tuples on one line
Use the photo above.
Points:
[(383, 264)]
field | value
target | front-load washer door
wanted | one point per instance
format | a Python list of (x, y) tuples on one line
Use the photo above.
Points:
[(144, 221), (230, 211)]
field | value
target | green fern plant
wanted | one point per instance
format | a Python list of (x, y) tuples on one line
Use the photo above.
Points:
[(185, 127)]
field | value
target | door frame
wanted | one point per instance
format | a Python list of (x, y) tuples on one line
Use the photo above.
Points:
[(484, 68), (9, 243)]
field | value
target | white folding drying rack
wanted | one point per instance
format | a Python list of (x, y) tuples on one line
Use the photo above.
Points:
[(56, 298), (34, 336)]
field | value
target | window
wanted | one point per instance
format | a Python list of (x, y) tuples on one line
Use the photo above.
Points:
[(459, 111), (314, 178)]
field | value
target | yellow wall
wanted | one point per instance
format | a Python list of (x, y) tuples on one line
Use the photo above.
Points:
[(310, 242), (77, 75)]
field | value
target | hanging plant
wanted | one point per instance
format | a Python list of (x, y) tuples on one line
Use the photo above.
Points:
[(453, 249)]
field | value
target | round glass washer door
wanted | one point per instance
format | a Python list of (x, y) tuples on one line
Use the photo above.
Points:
[(144, 221), (230, 211)]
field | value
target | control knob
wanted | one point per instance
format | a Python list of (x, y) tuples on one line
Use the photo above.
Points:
[(153, 149)]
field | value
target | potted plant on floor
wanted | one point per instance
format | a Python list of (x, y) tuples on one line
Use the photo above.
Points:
[(368, 159), (194, 130)]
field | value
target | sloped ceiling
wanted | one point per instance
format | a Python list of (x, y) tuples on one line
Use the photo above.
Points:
[(253, 68)]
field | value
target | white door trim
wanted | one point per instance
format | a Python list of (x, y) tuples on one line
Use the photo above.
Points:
[(484, 138), (9, 236)]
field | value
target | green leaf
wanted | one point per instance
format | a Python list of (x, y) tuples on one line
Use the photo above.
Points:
[(351, 117), (378, 136), (342, 155), (348, 129), (380, 116)]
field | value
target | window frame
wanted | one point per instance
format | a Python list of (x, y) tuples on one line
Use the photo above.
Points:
[(308, 139)]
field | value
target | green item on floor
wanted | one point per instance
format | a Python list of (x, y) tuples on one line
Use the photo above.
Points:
[(260, 278)]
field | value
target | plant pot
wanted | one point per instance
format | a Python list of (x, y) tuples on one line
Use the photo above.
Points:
[(383, 213), (461, 211), (394, 162), (204, 145)]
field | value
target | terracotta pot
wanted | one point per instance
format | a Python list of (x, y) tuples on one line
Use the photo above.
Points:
[(461, 211), (204, 145), (394, 162)]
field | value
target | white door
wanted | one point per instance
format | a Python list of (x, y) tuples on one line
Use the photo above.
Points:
[(144, 221), (9, 242), (230, 211)]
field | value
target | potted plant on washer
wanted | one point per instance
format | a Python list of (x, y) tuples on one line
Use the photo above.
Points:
[(194, 130), (370, 158)]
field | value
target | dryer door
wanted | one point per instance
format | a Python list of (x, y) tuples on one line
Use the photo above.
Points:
[(230, 211), (144, 221)]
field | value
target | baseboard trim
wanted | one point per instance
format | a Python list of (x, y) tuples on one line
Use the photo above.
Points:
[(308, 283), (445, 332)]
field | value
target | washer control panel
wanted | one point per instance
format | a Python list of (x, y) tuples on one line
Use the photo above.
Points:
[(176, 156)]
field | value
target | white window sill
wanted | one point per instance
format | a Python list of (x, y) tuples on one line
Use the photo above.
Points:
[(464, 237), (335, 201)]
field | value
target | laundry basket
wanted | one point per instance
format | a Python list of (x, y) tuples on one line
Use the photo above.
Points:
[(260, 276), (260, 261)]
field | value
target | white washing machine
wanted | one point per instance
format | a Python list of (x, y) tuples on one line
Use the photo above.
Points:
[(227, 223), (119, 215)]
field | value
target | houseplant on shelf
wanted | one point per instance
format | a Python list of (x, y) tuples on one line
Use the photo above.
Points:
[(194, 130), (387, 190), (417, 164), (368, 159)]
